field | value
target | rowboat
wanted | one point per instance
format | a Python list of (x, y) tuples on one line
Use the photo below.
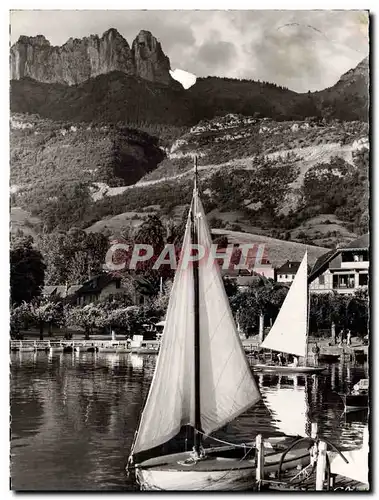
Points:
[(287, 369), (358, 399)]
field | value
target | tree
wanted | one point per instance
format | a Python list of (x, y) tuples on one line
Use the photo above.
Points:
[(230, 286), (45, 311), (152, 232), (160, 302), (88, 318), (20, 317), (27, 270), (73, 256)]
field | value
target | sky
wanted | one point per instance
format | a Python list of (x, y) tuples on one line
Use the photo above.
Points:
[(301, 50)]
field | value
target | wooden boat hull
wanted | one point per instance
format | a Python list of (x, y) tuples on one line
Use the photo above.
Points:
[(143, 350), (287, 369), (215, 473), (354, 402)]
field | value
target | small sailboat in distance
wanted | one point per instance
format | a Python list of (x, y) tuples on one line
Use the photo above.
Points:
[(202, 380), (289, 333)]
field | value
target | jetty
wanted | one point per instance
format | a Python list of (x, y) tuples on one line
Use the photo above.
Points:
[(120, 346), (329, 469), (328, 353)]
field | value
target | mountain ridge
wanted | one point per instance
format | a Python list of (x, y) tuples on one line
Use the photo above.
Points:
[(78, 60), (118, 97)]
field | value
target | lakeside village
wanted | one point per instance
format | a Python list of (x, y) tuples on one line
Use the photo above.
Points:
[(63, 295)]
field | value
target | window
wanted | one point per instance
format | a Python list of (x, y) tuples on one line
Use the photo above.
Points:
[(118, 283), (344, 281), (357, 256), (363, 279), (321, 280), (286, 277)]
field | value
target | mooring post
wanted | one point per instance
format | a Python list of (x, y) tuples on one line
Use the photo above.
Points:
[(314, 430), (321, 466), (260, 459)]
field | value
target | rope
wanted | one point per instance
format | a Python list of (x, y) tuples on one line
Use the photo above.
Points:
[(243, 445)]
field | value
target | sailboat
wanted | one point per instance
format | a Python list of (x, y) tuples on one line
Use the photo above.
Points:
[(289, 333), (202, 380)]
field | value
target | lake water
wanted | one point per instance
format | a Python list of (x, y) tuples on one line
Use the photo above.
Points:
[(74, 415)]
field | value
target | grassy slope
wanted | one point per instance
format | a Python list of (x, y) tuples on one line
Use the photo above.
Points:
[(279, 251), (22, 220)]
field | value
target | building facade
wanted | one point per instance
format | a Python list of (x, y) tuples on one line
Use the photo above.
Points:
[(344, 270), (287, 272)]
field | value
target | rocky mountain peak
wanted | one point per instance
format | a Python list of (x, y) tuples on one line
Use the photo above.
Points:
[(80, 59), (36, 41), (361, 71), (150, 61)]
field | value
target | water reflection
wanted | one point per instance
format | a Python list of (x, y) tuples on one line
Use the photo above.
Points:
[(74, 416)]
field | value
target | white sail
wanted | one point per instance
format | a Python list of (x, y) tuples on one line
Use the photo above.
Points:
[(227, 387), (226, 382), (289, 332), (170, 403)]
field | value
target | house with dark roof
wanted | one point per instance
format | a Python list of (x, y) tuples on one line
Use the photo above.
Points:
[(242, 277), (343, 270), (59, 291), (287, 272), (97, 288), (106, 285)]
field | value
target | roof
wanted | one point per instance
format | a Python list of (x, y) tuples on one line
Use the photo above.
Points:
[(361, 243), (96, 284), (289, 267), (321, 263), (59, 290)]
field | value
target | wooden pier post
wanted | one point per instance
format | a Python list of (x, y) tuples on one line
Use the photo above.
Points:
[(321, 466), (261, 328), (333, 333), (314, 430), (260, 459)]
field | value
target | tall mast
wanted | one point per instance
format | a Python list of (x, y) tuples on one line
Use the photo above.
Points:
[(195, 239), (308, 308)]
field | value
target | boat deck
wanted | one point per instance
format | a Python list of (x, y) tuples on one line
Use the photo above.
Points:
[(224, 458)]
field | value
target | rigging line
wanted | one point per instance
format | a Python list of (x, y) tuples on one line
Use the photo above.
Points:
[(243, 445)]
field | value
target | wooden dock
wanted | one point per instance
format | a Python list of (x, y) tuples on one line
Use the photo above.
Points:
[(318, 475), (343, 353), (338, 483), (120, 346)]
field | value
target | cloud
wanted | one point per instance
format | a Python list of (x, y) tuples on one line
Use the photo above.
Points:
[(298, 49), (214, 56)]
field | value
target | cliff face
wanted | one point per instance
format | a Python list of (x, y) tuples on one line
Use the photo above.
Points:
[(150, 61), (80, 59)]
